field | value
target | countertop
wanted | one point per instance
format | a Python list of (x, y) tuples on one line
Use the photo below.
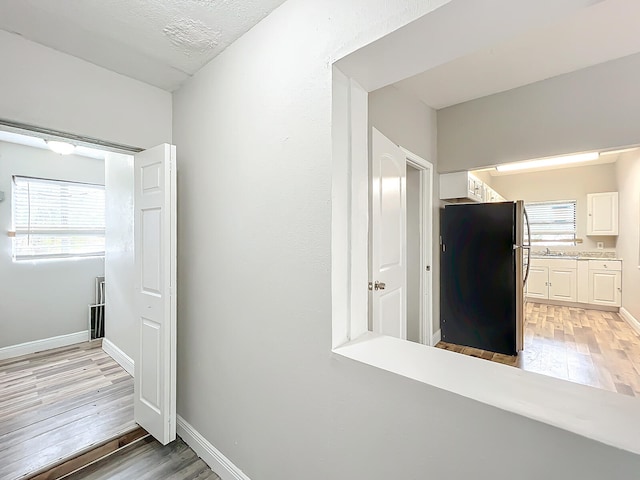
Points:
[(575, 255)]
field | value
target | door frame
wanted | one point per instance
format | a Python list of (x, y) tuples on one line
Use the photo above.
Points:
[(117, 355), (426, 243)]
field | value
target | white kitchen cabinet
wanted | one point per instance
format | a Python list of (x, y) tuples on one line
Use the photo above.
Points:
[(461, 186), (465, 187), (562, 284), (605, 283), (538, 282), (552, 279), (602, 213)]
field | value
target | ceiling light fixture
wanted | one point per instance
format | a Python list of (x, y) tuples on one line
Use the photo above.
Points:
[(63, 148), (618, 152), (548, 162)]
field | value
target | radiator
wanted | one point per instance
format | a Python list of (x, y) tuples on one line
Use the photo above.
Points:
[(96, 311)]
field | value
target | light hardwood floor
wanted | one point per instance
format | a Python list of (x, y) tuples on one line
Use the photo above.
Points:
[(59, 403), (589, 347), (147, 459)]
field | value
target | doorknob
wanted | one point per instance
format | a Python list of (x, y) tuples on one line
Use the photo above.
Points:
[(377, 286)]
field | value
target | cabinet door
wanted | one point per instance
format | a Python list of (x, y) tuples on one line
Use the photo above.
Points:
[(605, 287), (602, 213), (562, 284), (537, 284)]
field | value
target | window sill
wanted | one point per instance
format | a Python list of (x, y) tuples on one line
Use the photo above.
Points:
[(604, 416)]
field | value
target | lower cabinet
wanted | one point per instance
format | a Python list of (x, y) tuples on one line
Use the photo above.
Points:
[(538, 282), (571, 281), (552, 282), (562, 284), (605, 287)]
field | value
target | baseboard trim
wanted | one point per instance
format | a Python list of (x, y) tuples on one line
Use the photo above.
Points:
[(630, 319), (43, 344), (220, 464), (124, 360), (435, 339)]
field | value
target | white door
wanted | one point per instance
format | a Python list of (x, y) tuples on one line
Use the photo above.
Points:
[(155, 291), (388, 261)]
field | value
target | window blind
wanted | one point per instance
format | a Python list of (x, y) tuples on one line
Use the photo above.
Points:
[(54, 218), (552, 223)]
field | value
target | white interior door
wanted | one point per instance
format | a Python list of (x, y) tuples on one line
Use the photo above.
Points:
[(155, 291), (388, 215)]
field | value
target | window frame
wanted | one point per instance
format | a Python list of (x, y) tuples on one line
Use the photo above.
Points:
[(19, 230), (531, 206)]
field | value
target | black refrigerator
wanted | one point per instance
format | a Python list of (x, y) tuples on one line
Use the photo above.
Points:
[(483, 272)]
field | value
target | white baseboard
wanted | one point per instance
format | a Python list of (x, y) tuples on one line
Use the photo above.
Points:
[(44, 344), (631, 320), (220, 464), (436, 338), (118, 355)]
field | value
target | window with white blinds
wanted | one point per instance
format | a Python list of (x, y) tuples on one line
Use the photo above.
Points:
[(54, 218), (552, 223)]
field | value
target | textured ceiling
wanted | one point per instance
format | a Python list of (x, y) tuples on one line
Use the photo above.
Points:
[(161, 42)]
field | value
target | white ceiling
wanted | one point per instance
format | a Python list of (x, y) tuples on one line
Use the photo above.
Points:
[(160, 42), (601, 32)]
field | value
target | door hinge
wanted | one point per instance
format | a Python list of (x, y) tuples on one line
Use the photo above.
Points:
[(370, 285), (428, 267)]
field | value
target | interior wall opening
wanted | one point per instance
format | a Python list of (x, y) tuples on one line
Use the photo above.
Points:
[(527, 117)]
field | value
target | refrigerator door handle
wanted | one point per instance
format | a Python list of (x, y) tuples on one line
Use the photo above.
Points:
[(528, 248)]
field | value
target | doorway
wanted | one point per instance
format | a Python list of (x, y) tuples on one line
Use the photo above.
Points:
[(149, 178), (401, 185)]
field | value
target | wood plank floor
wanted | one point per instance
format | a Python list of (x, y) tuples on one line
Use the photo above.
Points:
[(589, 347), (147, 459), (58, 403)]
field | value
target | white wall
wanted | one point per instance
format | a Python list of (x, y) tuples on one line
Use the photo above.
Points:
[(256, 375), (563, 184), (50, 89), (46, 298), (411, 124), (47, 88), (628, 175), (120, 325), (593, 108)]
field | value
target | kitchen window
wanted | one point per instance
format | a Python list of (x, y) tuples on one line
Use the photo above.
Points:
[(57, 219), (552, 223)]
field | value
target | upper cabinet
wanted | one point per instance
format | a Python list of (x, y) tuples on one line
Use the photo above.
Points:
[(602, 213), (461, 186), (464, 186)]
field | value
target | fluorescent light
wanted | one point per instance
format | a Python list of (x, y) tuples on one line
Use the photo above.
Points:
[(63, 148), (617, 152), (548, 162)]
